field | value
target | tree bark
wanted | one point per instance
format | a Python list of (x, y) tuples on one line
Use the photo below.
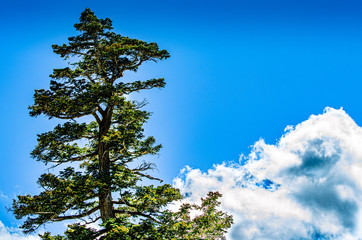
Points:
[(105, 193)]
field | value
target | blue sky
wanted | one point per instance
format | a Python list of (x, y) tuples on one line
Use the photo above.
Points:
[(239, 71)]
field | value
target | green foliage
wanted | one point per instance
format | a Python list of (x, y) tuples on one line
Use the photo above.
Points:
[(106, 188)]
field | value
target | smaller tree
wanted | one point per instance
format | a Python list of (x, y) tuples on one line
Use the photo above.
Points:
[(100, 183)]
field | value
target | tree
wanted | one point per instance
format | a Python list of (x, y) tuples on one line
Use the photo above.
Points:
[(100, 181)]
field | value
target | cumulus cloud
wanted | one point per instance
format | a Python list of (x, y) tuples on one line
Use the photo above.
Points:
[(8, 234), (306, 186)]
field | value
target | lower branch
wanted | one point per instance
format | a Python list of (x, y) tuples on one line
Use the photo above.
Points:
[(61, 218), (137, 214)]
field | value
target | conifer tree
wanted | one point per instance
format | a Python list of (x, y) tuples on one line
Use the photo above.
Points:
[(99, 182)]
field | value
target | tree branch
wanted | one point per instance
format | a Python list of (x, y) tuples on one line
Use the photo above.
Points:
[(74, 159), (100, 110), (72, 116), (61, 218), (96, 117), (92, 220), (134, 66), (137, 214), (147, 176), (89, 77)]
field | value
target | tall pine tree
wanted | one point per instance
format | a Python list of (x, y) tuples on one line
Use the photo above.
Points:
[(104, 186)]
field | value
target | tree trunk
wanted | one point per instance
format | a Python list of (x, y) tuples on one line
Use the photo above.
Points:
[(105, 193)]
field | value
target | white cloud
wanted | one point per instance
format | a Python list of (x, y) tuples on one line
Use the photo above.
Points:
[(8, 234), (306, 186)]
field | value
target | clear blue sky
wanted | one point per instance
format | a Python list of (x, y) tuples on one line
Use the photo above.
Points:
[(239, 71)]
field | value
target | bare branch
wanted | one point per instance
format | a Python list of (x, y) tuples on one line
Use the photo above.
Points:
[(148, 176)]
